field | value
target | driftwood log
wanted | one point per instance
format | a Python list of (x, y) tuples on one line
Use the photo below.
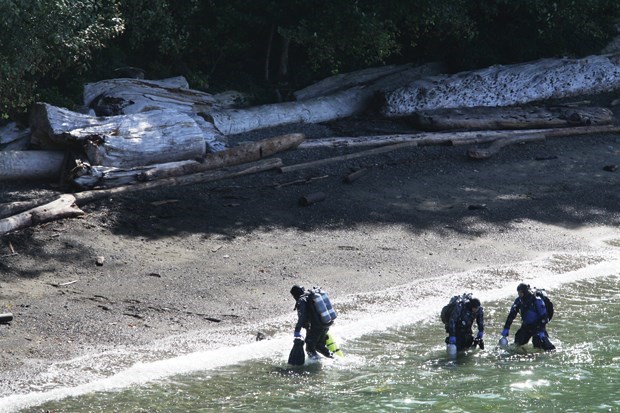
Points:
[(507, 85), (131, 96), (98, 176), (396, 142), (510, 117), (120, 141), (63, 207), (41, 165), (448, 138), (124, 96)]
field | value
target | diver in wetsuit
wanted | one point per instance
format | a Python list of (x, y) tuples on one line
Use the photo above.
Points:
[(307, 317), (462, 319), (534, 319)]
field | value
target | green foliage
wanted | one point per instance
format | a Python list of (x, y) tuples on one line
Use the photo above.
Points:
[(40, 39), (261, 45)]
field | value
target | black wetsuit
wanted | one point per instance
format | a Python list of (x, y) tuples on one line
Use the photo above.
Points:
[(316, 331), (460, 325), (534, 320)]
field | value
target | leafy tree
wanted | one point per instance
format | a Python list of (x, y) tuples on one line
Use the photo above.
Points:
[(40, 39), (267, 45)]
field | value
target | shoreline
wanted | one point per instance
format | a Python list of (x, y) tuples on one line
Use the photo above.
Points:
[(219, 355), (224, 255)]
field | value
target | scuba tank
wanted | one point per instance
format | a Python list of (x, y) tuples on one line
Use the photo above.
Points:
[(328, 305), (323, 306)]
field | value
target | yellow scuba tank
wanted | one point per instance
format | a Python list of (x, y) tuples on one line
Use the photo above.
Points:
[(331, 344)]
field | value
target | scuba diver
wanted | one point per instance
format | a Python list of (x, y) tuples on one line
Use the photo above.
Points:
[(316, 315), (461, 319), (534, 318)]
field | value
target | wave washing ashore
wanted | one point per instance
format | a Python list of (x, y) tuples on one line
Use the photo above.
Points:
[(414, 306)]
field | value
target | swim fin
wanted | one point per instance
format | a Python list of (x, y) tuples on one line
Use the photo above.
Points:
[(297, 357), (331, 344)]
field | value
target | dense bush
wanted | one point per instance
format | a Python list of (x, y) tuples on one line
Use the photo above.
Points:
[(279, 45), (42, 39)]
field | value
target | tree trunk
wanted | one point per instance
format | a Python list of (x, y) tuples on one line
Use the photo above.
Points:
[(510, 117), (105, 177), (339, 105), (63, 207), (507, 85), (44, 165), (120, 141)]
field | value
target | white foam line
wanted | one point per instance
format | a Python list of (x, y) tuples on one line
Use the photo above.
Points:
[(142, 373), (425, 309)]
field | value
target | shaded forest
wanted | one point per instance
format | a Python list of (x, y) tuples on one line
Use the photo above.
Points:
[(269, 48)]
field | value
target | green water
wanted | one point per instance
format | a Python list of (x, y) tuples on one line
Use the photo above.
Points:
[(406, 369)]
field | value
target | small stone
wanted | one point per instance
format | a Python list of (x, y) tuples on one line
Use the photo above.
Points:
[(99, 261), (610, 168)]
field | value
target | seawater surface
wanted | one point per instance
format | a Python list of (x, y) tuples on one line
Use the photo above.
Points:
[(403, 367)]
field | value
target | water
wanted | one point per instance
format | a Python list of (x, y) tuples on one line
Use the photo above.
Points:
[(405, 368)]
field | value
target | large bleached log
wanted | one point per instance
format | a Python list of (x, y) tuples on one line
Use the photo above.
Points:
[(511, 117), (507, 85), (349, 102), (125, 96), (131, 96), (124, 141), (43, 165), (105, 177), (63, 207)]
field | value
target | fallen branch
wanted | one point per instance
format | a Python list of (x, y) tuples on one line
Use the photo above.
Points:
[(485, 153), (346, 157), (63, 207), (13, 208)]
